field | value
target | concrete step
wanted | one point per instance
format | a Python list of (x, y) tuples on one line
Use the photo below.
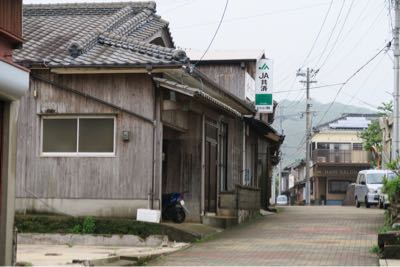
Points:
[(220, 221), (227, 212)]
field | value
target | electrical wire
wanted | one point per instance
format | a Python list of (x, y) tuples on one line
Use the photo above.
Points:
[(349, 79), (319, 33), (365, 33), (178, 6), (332, 31), (315, 87), (338, 36), (282, 11), (354, 96), (215, 34)]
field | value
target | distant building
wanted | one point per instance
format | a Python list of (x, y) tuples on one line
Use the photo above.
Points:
[(292, 182), (337, 156)]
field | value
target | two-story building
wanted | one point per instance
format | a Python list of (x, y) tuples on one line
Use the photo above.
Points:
[(14, 82), (337, 156)]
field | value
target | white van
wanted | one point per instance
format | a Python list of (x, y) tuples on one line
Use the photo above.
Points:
[(368, 186)]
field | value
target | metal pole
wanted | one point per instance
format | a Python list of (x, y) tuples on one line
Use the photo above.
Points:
[(308, 134), (396, 67), (280, 162)]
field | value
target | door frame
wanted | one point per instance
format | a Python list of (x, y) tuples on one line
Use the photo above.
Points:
[(212, 142)]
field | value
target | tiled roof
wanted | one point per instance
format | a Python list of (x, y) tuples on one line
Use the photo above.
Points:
[(95, 34)]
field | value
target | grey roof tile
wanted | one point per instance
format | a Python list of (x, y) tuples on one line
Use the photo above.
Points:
[(95, 34)]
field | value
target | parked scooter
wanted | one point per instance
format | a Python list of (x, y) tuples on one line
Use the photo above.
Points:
[(173, 207)]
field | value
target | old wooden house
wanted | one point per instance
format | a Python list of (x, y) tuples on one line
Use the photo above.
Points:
[(116, 116)]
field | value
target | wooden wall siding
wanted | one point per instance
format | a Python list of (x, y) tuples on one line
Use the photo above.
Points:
[(263, 171), (248, 198), (251, 68), (176, 118), (126, 176), (11, 16), (231, 77), (235, 140), (192, 153)]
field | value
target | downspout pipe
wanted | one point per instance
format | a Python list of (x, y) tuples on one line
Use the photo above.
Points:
[(155, 124)]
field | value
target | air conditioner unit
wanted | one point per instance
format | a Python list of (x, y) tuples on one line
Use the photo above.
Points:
[(321, 159)]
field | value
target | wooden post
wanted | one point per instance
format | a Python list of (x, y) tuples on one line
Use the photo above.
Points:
[(203, 163)]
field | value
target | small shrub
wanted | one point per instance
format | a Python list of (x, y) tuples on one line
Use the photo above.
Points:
[(89, 225), (391, 187), (77, 229), (384, 229), (375, 249)]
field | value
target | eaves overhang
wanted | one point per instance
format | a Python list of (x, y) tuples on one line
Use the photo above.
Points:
[(14, 81), (265, 130), (195, 93), (104, 69)]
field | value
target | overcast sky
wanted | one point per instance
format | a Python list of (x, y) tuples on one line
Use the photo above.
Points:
[(286, 30)]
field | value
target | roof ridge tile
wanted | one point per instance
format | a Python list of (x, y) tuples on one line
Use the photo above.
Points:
[(141, 47), (134, 22), (78, 46)]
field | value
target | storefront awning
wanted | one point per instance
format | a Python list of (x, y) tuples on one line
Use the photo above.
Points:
[(196, 93), (264, 130)]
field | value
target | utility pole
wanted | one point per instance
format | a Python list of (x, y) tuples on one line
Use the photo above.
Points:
[(308, 81), (396, 93), (281, 113)]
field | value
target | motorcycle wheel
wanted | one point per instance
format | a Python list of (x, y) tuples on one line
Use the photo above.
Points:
[(180, 216)]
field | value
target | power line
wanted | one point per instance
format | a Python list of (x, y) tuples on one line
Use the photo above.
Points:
[(338, 36), (282, 11), (315, 87), (332, 31), (352, 97), (349, 78), (319, 33), (365, 33), (215, 34), (187, 2)]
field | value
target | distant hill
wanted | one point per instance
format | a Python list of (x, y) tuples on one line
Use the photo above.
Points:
[(294, 125)]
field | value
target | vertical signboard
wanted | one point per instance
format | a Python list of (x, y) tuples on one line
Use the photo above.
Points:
[(264, 101)]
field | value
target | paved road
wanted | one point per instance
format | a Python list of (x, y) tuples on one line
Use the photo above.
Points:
[(297, 236)]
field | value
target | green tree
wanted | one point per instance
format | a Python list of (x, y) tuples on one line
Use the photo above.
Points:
[(386, 109), (372, 141)]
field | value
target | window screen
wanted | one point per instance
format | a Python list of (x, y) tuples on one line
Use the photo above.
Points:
[(96, 135), (59, 135)]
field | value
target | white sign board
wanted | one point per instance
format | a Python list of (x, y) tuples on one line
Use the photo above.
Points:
[(147, 215), (263, 99), (250, 87)]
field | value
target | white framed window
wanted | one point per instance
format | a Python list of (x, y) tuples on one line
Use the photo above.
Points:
[(83, 136)]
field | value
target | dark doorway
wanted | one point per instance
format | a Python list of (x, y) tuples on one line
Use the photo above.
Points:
[(171, 164), (211, 168)]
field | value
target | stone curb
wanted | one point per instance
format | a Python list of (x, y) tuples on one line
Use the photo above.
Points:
[(92, 240)]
